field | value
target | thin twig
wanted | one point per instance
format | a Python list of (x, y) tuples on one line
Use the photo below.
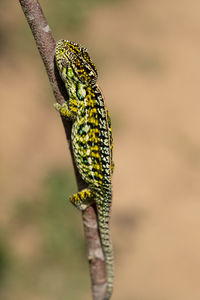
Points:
[(46, 45)]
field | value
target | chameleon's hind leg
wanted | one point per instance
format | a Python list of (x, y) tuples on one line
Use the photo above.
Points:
[(82, 199)]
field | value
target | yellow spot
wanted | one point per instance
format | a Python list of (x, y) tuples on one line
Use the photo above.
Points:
[(93, 110), (74, 109), (95, 148)]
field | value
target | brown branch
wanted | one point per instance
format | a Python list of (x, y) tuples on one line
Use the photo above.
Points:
[(46, 45)]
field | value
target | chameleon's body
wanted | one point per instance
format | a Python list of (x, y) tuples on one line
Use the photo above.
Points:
[(91, 138)]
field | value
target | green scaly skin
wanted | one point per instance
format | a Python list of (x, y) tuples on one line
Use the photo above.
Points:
[(91, 138)]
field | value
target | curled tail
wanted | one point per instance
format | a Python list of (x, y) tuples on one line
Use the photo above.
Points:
[(103, 201)]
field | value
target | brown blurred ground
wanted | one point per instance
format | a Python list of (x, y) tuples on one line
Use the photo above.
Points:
[(148, 56)]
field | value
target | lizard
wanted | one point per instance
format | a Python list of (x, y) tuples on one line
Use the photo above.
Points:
[(91, 139)]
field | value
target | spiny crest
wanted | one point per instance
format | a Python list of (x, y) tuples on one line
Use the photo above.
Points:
[(70, 54)]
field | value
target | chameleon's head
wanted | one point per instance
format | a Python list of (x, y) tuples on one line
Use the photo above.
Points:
[(74, 61)]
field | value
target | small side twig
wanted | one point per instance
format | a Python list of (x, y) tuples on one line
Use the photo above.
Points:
[(46, 45)]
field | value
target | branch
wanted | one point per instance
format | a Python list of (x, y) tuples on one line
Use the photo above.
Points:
[(46, 45)]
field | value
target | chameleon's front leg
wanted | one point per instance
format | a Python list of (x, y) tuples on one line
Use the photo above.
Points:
[(64, 110), (82, 199)]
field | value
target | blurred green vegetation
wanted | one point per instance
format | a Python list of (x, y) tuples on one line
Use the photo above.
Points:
[(57, 264), (64, 16), (71, 14), (4, 258)]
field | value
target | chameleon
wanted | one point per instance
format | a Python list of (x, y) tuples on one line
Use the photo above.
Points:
[(91, 138)]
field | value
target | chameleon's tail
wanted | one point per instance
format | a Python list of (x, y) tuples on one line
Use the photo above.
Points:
[(103, 208)]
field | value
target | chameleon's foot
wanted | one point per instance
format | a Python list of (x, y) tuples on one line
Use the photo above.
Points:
[(82, 199), (64, 110)]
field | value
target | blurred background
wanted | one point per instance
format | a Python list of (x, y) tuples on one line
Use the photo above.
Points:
[(148, 57)]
